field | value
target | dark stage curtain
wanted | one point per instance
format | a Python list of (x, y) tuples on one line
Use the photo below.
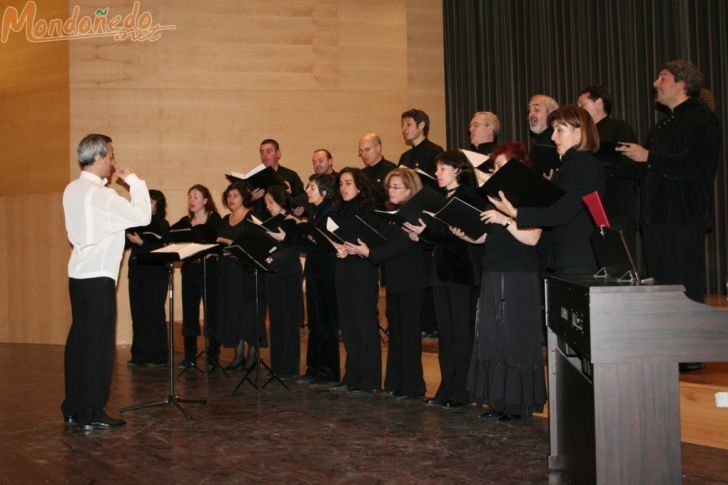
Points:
[(500, 52)]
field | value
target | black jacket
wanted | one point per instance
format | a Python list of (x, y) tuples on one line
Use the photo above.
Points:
[(453, 259), (406, 265), (679, 173), (422, 156), (571, 224)]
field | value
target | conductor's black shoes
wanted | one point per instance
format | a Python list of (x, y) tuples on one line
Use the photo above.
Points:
[(103, 422)]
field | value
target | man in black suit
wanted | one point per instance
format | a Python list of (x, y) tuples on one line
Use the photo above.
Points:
[(422, 155), (377, 167), (621, 194), (678, 165), (543, 151), (270, 155), (323, 162)]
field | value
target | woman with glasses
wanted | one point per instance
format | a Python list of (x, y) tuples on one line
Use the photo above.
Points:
[(406, 277)]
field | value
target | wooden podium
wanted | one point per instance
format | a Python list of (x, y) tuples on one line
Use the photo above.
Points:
[(614, 394)]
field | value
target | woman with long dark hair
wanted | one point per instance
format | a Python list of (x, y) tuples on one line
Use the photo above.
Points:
[(283, 292), (148, 288), (406, 278), (357, 290), (454, 277), (322, 351), (202, 220)]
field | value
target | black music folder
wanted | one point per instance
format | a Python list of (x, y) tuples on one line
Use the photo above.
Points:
[(256, 244), (427, 199), (353, 229), (261, 177), (458, 213), (271, 224), (522, 186)]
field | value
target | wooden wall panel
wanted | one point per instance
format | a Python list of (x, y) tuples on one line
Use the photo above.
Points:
[(426, 60), (196, 104), (35, 261), (34, 127)]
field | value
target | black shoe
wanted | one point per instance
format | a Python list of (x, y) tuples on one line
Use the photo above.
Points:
[(509, 417), (103, 422), (492, 413), (340, 388), (157, 363), (403, 397), (450, 404), (389, 393), (136, 363), (70, 421), (430, 335), (212, 365), (186, 363), (435, 401)]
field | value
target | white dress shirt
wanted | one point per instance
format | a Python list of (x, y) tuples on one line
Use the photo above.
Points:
[(96, 218)]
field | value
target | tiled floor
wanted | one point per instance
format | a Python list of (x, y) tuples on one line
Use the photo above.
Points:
[(299, 436)]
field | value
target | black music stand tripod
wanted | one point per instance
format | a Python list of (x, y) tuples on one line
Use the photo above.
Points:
[(207, 370), (172, 398), (256, 265)]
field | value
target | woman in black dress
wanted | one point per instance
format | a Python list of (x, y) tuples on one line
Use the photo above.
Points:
[(198, 279), (322, 351), (236, 283), (283, 292), (576, 138), (406, 277), (506, 367), (454, 277), (357, 290), (148, 288)]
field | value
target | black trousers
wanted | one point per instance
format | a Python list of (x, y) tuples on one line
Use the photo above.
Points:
[(676, 255), (90, 345), (357, 292), (193, 288), (322, 352), (404, 357), (147, 296), (455, 312), (284, 298)]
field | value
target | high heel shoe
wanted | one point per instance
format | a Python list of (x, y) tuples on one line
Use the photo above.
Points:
[(252, 357), (239, 358)]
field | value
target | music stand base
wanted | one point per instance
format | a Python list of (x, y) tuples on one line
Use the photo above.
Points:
[(170, 400), (257, 365)]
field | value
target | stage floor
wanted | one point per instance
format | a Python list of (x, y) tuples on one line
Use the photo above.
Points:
[(299, 436)]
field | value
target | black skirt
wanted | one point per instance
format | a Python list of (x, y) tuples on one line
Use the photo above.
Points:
[(506, 367)]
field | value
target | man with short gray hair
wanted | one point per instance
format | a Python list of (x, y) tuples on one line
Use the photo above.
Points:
[(543, 153), (96, 220)]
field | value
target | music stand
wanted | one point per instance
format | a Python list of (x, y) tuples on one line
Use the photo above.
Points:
[(164, 255), (613, 256), (187, 235), (256, 263)]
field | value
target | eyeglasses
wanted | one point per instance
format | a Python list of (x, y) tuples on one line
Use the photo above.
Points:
[(395, 187)]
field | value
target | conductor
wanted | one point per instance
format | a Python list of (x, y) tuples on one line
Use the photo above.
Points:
[(96, 218)]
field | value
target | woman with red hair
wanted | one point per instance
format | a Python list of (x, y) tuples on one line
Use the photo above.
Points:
[(506, 364)]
